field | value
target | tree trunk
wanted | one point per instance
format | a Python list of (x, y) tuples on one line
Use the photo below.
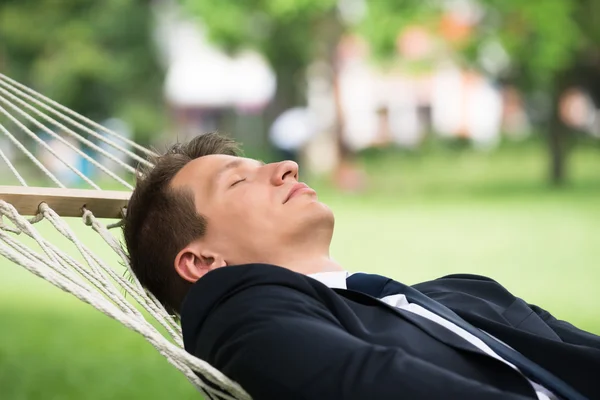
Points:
[(557, 131), (344, 152), (348, 176), (287, 94), (556, 145)]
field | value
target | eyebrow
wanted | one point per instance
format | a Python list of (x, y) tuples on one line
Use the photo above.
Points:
[(231, 165)]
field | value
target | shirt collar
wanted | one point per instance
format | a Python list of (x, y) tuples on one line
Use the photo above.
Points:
[(332, 279)]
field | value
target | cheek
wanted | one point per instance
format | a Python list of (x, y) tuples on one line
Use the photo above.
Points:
[(248, 213), (248, 209), (256, 214)]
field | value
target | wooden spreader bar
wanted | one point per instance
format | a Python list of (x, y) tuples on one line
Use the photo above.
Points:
[(66, 202)]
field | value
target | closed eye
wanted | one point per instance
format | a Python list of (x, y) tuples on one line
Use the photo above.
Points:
[(238, 181)]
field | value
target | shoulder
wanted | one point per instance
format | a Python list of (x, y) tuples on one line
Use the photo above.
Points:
[(467, 285), (230, 296), (226, 282), (468, 277), (458, 280)]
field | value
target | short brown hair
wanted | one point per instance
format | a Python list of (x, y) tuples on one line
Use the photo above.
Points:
[(161, 220)]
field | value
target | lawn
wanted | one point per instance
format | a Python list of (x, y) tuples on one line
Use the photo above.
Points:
[(424, 216)]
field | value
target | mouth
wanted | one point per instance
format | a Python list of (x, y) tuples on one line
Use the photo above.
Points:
[(297, 189)]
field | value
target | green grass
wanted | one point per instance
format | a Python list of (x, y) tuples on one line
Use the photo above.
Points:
[(60, 350), (423, 216)]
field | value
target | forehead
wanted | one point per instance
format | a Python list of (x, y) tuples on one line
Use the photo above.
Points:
[(201, 171)]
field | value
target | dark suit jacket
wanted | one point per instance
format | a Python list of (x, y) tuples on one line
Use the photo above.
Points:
[(283, 335)]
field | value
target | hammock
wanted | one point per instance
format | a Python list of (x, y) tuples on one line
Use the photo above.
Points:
[(83, 274)]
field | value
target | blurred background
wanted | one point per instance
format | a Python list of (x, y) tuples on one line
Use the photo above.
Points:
[(448, 136)]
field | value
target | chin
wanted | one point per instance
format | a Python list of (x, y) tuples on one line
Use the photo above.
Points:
[(321, 214), (310, 216), (312, 224)]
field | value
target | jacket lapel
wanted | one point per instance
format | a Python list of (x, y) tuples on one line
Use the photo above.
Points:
[(389, 287), (431, 328)]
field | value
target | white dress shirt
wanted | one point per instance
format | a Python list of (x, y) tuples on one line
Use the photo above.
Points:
[(337, 280)]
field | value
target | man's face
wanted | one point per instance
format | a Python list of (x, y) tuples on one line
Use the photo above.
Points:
[(255, 212)]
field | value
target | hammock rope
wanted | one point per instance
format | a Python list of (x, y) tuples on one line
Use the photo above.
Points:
[(48, 148), (31, 157), (71, 133), (39, 99), (81, 271), (12, 168)]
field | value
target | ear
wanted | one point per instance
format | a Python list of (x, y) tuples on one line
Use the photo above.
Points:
[(193, 262)]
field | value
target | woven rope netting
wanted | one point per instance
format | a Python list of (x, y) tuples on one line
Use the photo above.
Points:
[(41, 138)]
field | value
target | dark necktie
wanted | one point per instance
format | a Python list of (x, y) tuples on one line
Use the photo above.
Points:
[(373, 285)]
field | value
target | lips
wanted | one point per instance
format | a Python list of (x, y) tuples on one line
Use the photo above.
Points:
[(297, 187)]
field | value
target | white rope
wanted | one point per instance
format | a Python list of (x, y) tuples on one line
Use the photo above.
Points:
[(48, 148), (66, 129), (53, 269), (12, 168), (72, 134), (138, 293), (31, 156), (98, 267), (164, 347), (24, 90), (55, 255), (36, 258), (153, 306)]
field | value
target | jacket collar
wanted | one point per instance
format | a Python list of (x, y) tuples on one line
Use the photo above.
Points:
[(219, 285)]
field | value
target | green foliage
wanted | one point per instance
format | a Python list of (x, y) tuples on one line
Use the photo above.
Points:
[(289, 33), (254, 23), (95, 57), (542, 38), (386, 19)]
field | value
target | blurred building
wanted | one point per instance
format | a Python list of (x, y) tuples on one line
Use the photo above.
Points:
[(203, 83), (425, 91)]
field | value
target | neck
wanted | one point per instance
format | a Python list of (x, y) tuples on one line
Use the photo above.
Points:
[(307, 264), (308, 252)]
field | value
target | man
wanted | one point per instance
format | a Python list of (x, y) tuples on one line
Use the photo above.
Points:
[(240, 250)]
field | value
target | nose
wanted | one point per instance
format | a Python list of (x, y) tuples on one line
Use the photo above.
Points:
[(284, 171)]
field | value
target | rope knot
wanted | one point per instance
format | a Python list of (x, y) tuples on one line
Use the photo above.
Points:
[(88, 217), (42, 209)]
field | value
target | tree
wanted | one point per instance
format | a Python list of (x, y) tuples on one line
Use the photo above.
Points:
[(95, 57), (552, 45), (289, 33)]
